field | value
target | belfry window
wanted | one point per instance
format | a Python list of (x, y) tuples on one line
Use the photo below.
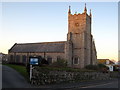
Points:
[(76, 60)]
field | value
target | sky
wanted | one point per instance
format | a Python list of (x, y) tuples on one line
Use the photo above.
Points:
[(31, 22), (119, 31)]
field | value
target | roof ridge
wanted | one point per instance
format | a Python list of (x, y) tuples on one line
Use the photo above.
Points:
[(41, 42)]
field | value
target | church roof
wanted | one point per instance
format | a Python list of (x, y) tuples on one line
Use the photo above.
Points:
[(57, 47)]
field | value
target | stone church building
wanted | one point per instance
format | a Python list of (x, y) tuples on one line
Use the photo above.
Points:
[(79, 50)]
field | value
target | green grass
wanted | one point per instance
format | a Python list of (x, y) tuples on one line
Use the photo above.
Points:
[(21, 69)]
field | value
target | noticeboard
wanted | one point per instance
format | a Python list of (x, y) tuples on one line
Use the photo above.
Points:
[(34, 60)]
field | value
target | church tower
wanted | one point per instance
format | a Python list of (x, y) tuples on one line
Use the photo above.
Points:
[(79, 39)]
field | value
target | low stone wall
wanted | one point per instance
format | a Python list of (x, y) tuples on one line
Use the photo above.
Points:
[(114, 74), (41, 77)]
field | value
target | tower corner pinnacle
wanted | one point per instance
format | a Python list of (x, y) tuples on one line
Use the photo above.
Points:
[(85, 9), (69, 11), (90, 13)]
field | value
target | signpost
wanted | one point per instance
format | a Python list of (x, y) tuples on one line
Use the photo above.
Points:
[(31, 72), (33, 62)]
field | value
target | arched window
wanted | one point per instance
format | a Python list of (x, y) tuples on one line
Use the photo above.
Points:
[(75, 60), (24, 59), (49, 59), (17, 58), (11, 58)]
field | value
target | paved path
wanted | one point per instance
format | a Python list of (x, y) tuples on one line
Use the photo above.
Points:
[(12, 79)]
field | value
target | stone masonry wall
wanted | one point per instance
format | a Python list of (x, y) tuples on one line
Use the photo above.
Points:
[(52, 55), (41, 77)]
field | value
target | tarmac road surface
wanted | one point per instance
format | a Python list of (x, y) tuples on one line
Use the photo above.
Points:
[(112, 84), (12, 79)]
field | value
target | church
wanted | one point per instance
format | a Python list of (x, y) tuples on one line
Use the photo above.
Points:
[(78, 50)]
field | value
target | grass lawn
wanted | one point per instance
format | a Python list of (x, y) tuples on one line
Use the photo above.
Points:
[(21, 69)]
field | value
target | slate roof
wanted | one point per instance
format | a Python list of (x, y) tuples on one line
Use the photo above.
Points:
[(39, 47)]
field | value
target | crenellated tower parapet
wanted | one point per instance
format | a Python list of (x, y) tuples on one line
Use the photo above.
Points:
[(79, 21)]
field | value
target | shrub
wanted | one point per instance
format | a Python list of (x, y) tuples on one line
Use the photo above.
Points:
[(103, 68), (59, 63), (100, 67), (92, 67)]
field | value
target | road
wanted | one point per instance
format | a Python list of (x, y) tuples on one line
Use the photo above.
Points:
[(108, 84), (0, 76), (112, 84), (12, 79)]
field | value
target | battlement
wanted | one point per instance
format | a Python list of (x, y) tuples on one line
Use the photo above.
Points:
[(79, 22), (80, 15)]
